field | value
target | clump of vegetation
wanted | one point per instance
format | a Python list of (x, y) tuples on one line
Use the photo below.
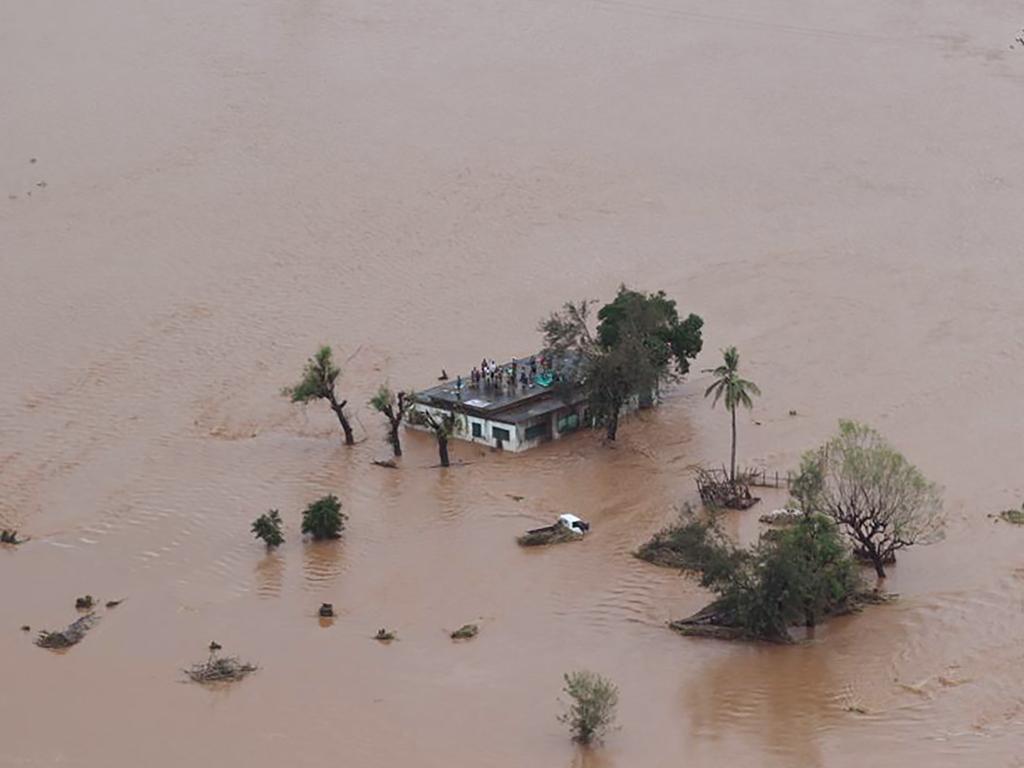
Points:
[(465, 632), (393, 407), (691, 543), (639, 344), (326, 610), (552, 534), (219, 669), (385, 635), (878, 498), (268, 527), (1015, 516), (67, 637), (323, 519), (10, 537), (85, 603), (318, 379), (798, 575), (591, 709)]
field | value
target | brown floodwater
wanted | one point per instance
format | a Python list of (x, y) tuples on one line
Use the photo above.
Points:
[(193, 195)]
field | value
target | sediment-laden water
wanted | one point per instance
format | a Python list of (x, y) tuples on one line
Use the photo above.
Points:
[(193, 196)]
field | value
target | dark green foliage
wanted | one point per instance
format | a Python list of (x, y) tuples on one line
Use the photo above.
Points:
[(654, 320), (323, 519), (639, 344), (796, 575), (591, 709), (268, 527)]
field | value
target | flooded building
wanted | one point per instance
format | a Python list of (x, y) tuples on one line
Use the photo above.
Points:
[(514, 408)]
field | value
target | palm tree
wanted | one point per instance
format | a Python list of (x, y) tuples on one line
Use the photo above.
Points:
[(736, 391)]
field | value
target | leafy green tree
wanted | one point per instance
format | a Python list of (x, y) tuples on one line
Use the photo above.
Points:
[(591, 710), (268, 527), (323, 519), (393, 408), (317, 383), (444, 425), (882, 501), (735, 390), (639, 344)]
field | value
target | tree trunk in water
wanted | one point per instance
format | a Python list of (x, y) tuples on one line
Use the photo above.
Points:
[(879, 567), (442, 449), (339, 410), (732, 463), (396, 444), (613, 425)]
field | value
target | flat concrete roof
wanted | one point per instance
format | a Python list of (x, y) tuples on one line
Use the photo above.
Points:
[(513, 403)]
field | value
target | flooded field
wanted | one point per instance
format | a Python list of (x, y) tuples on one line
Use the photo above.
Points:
[(193, 196)]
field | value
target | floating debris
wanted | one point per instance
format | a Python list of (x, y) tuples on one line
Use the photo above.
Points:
[(219, 669), (327, 610), (386, 463), (114, 603), (68, 637), (84, 603), (385, 635), (26, 628), (10, 537), (465, 632)]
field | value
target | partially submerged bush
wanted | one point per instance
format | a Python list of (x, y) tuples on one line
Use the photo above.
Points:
[(323, 519), (385, 635), (591, 710), (9, 537), (465, 632), (268, 527), (1015, 516), (219, 669), (798, 575), (692, 543), (85, 603)]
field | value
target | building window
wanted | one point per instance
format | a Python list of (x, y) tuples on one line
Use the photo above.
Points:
[(569, 422), (500, 434), (478, 429), (543, 429)]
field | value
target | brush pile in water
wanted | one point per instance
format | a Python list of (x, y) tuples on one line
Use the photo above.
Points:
[(68, 637), (218, 669)]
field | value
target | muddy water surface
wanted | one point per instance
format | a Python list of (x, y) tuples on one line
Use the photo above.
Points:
[(218, 187)]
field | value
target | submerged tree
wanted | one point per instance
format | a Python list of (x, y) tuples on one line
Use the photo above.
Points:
[(591, 710), (796, 575), (880, 500), (639, 344), (393, 408), (317, 383), (444, 425), (735, 390), (323, 519), (268, 527)]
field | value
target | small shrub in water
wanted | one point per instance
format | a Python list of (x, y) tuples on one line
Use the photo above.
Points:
[(323, 519), (592, 708), (268, 527), (465, 632)]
